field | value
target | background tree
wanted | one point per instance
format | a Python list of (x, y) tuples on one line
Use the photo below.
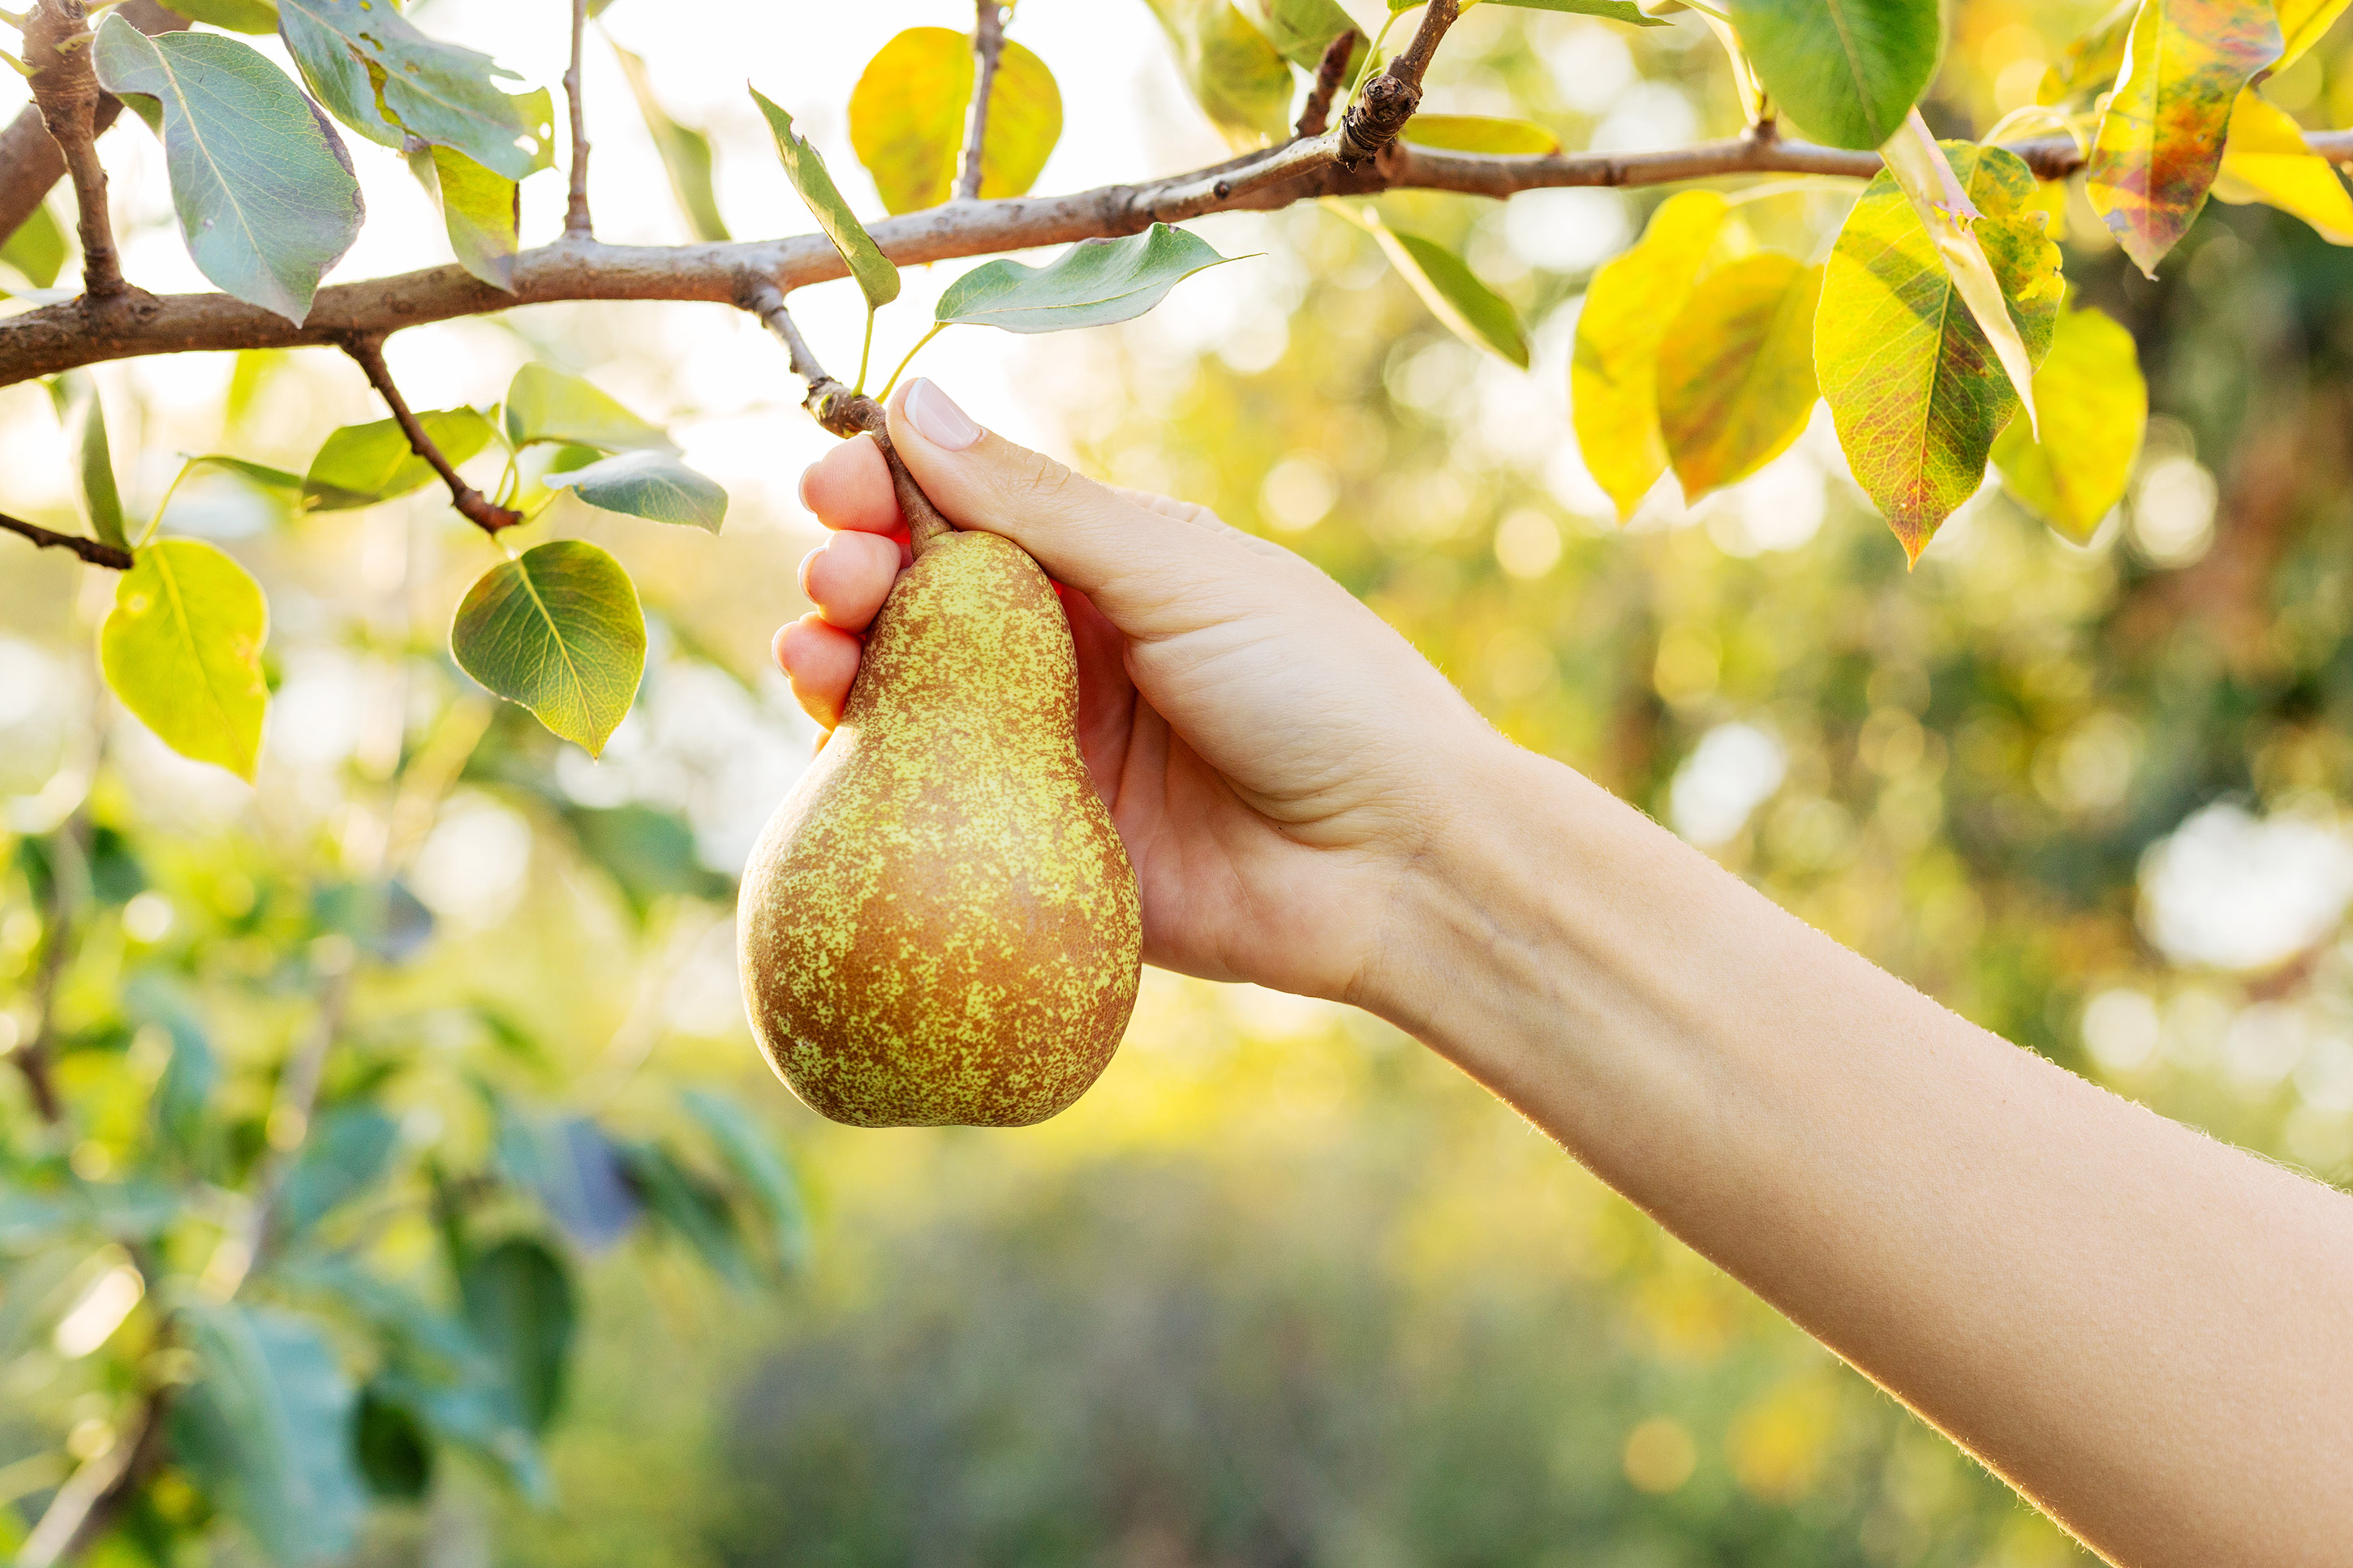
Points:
[(304, 1168)]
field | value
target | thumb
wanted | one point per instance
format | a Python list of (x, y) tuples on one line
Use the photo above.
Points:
[(1135, 563)]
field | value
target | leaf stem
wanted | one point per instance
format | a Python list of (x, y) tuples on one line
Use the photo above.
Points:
[(865, 350), (156, 521), (937, 328)]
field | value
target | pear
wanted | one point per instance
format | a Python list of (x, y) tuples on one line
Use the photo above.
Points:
[(940, 924)]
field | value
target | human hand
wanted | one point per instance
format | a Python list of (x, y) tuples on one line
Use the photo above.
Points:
[(1276, 757)]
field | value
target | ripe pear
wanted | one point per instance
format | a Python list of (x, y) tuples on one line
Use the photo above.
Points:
[(940, 924)]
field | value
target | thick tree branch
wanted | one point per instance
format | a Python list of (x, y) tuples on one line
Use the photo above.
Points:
[(576, 221), (30, 161), (94, 552), (847, 412), (59, 337), (1331, 73), (471, 503), (66, 91), (988, 45)]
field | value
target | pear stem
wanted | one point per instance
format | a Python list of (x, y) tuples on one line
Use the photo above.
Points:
[(848, 413)]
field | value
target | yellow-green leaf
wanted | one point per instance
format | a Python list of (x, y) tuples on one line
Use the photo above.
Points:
[(37, 249), (481, 210), (685, 153), (2266, 159), (907, 118), (1915, 388), (2088, 67), (558, 630), (1471, 310), (181, 648), (877, 279), (2095, 411), (1239, 80), (1612, 377), (75, 396), (1301, 30), (1478, 133), (2301, 25), (2161, 141), (1736, 369), (548, 405)]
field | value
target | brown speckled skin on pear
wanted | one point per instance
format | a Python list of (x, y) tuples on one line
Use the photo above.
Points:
[(940, 924)]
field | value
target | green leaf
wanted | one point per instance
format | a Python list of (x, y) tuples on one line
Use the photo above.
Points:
[(520, 1304), (559, 631), (380, 76), (877, 279), (361, 465), (261, 475), (691, 1206), (2160, 145), (545, 405), (480, 209), (1093, 284), (573, 1169), (37, 248), (751, 1158), (1239, 80), (395, 1454), (237, 15), (1301, 30), (1613, 371), (2095, 411), (1471, 310), (1478, 133), (1616, 10), (907, 118), (75, 396), (346, 1152), (685, 153), (1847, 70), (265, 1430), (649, 484), (1915, 388), (260, 181), (181, 648), (1736, 369)]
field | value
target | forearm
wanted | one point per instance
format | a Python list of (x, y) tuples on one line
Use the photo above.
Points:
[(2148, 1333)]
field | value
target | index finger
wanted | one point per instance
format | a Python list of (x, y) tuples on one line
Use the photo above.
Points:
[(848, 489)]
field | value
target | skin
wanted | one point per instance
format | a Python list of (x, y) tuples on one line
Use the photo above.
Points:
[(2147, 1333)]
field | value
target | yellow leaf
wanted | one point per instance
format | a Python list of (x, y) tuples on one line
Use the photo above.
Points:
[(182, 648), (1613, 385), (2095, 411), (2266, 160), (1736, 369), (907, 118), (2301, 23)]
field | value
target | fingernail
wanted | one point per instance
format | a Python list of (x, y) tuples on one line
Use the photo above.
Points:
[(938, 419)]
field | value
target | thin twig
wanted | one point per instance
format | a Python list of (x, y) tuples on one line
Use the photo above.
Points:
[(1373, 120), (94, 1493), (94, 552), (847, 412), (64, 87), (471, 503), (1330, 72), (30, 160), (33, 1058), (987, 46), (576, 224), (60, 337)]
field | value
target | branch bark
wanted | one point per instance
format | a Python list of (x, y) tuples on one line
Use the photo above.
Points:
[(472, 504), (96, 553), (1331, 72), (30, 161), (66, 91), (1373, 122), (988, 47), (60, 337), (578, 225)]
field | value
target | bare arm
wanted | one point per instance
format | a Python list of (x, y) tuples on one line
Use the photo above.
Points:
[(2146, 1332)]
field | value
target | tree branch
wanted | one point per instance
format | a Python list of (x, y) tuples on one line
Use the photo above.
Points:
[(987, 46), (90, 550), (30, 161), (847, 412), (1331, 72), (1373, 122), (471, 503), (576, 222), (65, 88), (87, 1502), (60, 337)]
